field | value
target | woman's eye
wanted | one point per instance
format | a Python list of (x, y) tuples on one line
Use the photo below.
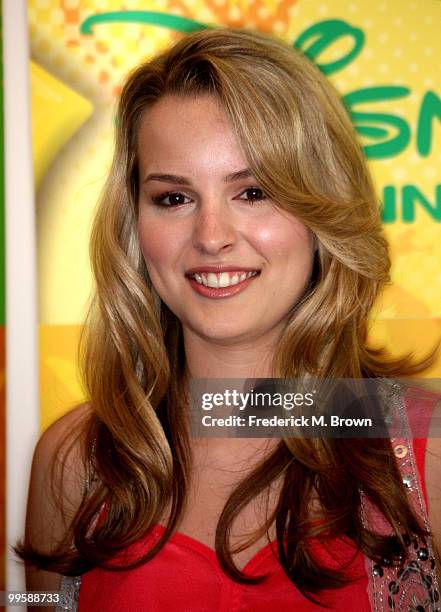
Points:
[(253, 194), (171, 198)]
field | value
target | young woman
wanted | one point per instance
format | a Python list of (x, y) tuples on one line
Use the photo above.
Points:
[(238, 237)]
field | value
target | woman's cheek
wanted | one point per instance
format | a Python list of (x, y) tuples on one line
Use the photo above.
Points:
[(154, 240)]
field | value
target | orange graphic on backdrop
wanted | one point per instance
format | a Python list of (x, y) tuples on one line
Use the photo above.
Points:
[(258, 14), (262, 15)]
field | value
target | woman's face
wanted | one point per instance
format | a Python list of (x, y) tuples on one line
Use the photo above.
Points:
[(224, 259)]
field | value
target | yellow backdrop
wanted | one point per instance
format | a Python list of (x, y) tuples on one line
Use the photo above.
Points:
[(382, 56)]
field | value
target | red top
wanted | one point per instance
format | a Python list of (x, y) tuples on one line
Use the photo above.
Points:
[(185, 576)]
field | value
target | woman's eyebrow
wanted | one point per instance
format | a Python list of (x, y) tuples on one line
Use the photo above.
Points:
[(236, 176), (181, 180)]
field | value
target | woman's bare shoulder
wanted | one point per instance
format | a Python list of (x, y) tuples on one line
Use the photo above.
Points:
[(57, 477), (56, 490), (65, 431)]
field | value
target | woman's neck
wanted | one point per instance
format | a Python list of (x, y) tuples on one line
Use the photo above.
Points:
[(208, 359)]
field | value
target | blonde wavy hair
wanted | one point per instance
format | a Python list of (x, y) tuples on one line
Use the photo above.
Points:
[(302, 149)]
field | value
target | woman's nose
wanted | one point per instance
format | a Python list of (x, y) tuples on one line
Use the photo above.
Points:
[(214, 230)]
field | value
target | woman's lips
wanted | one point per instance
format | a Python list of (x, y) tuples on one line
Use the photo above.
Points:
[(221, 292)]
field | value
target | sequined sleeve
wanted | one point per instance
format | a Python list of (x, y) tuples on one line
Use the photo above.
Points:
[(69, 593)]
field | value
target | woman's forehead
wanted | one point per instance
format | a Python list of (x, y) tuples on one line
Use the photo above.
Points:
[(190, 132), (193, 112)]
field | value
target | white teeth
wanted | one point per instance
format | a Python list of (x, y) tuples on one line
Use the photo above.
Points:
[(212, 280), (222, 279)]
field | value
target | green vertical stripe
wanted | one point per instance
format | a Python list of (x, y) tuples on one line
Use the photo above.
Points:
[(2, 187)]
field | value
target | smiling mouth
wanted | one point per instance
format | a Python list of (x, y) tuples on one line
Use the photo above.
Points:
[(222, 280)]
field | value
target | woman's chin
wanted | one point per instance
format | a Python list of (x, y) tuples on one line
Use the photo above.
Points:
[(227, 333)]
